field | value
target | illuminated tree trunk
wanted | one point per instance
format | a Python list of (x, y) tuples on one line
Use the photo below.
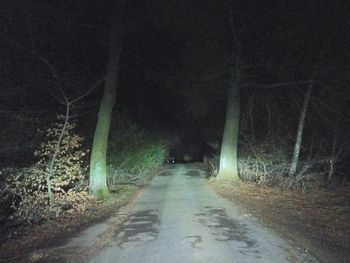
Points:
[(98, 168), (299, 138), (228, 169)]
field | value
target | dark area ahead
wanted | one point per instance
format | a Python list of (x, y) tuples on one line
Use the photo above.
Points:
[(174, 68)]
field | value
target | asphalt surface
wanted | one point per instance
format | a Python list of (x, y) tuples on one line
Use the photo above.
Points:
[(179, 218)]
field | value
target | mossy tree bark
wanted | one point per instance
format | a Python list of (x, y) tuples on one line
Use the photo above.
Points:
[(228, 169), (98, 167)]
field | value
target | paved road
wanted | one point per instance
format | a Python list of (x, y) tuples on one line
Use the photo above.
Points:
[(179, 219)]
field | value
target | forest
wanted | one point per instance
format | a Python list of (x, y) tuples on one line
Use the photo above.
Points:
[(96, 97)]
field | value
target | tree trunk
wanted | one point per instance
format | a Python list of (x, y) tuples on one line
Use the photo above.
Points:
[(228, 169), (299, 138), (98, 168)]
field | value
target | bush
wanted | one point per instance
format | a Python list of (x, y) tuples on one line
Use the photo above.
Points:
[(133, 151), (263, 165), (29, 187), (260, 164)]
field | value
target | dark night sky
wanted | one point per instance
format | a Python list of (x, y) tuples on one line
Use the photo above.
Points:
[(175, 54), (175, 44)]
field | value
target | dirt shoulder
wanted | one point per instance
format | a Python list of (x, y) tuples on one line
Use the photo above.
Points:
[(30, 243), (44, 243), (319, 220)]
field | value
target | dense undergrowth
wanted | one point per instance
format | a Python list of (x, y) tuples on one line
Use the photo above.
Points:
[(133, 152), (267, 164), (55, 186)]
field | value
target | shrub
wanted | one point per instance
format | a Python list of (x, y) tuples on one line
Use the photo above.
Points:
[(260, 164), (133, 151), (29, 187), (263, 165)]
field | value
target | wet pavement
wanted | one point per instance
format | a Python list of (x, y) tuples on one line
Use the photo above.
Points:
[(179, 219)]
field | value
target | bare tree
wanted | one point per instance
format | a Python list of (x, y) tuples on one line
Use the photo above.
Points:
[(301, 124), (299, 137), (228, 169), (60, 95), (98, 167)]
